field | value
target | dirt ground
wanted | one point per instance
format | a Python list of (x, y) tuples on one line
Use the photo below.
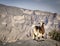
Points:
[(47, 42)]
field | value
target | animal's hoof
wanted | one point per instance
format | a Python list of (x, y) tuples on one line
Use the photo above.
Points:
[(38, 37), (42, 36)]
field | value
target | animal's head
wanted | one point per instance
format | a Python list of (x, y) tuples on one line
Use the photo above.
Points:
[(43, 23)]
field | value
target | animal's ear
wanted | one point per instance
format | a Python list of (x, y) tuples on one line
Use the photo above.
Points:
[(43, 23)]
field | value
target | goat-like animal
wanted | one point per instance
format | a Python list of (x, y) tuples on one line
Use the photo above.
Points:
[(38, 31)]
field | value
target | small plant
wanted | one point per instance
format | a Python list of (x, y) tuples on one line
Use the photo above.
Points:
[(55, 35)]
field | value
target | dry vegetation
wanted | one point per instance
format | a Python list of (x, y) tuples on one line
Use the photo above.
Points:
[(55, 35)]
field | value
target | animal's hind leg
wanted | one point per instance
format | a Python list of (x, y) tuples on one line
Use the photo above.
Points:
[(42, 36)]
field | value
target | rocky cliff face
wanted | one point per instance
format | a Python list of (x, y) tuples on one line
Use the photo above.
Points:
[(16, 23)]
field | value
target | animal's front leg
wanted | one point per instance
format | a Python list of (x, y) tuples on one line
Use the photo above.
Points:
[(34, 36)]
